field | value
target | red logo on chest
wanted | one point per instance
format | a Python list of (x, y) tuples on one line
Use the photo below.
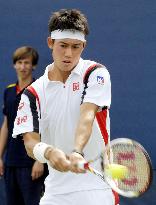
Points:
[(76, 86)]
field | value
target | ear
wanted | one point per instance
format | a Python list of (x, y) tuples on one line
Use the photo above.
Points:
[(14, 65), (33, 67), (50, 42), (84, 44)]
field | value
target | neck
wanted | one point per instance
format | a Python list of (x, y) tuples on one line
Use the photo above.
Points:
[(23, 83), (58, 75)]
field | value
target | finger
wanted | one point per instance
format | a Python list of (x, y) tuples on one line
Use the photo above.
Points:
[(40, 173), (1, 172), (75, 168), (64, 166), (33, 175)]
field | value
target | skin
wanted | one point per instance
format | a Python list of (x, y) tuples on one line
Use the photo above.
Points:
[(66, 54), (24, 70)]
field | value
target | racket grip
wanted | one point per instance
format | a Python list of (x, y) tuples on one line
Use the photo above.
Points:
[(83, 165)]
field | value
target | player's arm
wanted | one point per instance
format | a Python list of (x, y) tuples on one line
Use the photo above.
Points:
[(44, 152), (83, 133), (97, 95), (3, 142), (3, 136), (84, 127), (4, 128), (30, 140), (27, 124)]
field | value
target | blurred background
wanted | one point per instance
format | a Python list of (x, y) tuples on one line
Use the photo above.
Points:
[(122, 37)]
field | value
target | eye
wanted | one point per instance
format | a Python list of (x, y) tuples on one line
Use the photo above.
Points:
[(63, 45), (76, 46), (27, 63)]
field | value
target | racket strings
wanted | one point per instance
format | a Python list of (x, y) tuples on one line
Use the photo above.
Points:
[(136, 161)]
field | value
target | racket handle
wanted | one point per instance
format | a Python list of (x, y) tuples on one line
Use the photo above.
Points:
[(83, 165)]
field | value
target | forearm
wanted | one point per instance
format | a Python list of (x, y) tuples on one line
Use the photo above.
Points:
[(84, 128), (30, 140), (3, 137), (36, 149), (43, 152), (82, 136)]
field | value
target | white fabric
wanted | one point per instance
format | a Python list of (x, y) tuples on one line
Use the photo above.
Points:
[(24, 120), (92, 197), (60, 110), (71, 34), (96, 88), (39, 150)]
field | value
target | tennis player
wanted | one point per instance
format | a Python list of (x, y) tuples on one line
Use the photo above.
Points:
[(69, 108)]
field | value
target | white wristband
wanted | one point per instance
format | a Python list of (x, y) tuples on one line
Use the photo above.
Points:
[(39, 151)]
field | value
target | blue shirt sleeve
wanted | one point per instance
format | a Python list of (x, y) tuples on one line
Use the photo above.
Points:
[(4, 108)]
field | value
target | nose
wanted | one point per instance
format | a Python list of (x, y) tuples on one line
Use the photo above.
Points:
[(68, 52), (22, 66)]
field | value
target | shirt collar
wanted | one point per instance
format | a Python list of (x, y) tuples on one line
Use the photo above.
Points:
[(77, 70), (18, 91)]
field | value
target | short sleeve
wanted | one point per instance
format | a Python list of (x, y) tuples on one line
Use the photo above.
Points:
[(98, 89), (27, 119)]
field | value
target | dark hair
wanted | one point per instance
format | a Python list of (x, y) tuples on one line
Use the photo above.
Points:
[(24, 52), (68, 19)]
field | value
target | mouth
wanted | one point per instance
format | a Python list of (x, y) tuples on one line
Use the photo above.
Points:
[(67, 62)]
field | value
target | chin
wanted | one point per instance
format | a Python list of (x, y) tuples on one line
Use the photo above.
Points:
[(67, 68)]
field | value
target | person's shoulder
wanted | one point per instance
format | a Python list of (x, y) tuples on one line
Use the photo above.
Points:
[(10, 87), (37, 82), (89, 65), (37, 86), (42, 78), (10, 90)]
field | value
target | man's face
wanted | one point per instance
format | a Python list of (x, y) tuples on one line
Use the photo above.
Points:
[(66, 53), (24, 68)]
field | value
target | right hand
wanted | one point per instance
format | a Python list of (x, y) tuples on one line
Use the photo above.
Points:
[(58, 160), (1, 167), (75, 159), (37, 170)]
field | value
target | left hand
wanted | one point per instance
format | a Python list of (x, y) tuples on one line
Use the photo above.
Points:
[(37, 170)]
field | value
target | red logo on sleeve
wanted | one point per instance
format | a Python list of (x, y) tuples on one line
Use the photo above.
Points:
[(21, 105), (21, 120)]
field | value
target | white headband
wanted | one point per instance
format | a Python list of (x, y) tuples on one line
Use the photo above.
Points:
[(72, 34)]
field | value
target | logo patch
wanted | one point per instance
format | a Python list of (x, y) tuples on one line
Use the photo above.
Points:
[(21, 105), (21, 120), (100, 80), (76, 86)]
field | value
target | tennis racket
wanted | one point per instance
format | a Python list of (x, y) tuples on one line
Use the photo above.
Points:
[(131, 154)]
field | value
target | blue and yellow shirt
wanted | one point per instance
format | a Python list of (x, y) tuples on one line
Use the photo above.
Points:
[(15, 152)]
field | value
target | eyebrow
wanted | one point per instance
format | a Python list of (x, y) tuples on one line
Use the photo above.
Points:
[(68, 43)]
